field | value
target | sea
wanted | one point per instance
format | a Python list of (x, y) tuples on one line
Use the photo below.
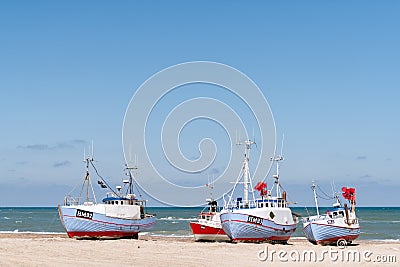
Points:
[(377, 223)]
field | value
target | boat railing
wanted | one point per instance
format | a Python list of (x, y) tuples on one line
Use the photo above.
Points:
[(70, 200), (315, 218), (240, 204)]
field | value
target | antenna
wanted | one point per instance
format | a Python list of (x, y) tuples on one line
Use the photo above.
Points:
[(92, 150), (277, 159), (130, 153)]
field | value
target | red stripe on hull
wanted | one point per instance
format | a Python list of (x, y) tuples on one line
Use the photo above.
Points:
[(334, 239), (279, 238), (338, 226), (272, 238), (112, 223), (265, 226), (248, 239), (115, 234), (200, 229)]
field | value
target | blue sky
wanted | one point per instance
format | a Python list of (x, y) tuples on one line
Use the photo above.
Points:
[(329, 70)]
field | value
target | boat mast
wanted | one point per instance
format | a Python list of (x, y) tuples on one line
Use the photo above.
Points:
[(88, 159), (277, 160), (315, 197), (276, 176), (130, 177), (246, 172)]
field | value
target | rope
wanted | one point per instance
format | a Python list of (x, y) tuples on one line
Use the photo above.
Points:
[(324, 197), (330, 197), (102, 178)]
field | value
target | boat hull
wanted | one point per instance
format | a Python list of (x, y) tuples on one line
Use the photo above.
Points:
[(204, 232), (320, 233), (90, 222), (243, 227)]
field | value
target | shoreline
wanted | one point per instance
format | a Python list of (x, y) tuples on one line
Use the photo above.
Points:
[(147, 237)]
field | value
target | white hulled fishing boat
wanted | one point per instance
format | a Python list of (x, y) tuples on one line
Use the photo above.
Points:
[(266, 218), (118, 216), (338, 225)]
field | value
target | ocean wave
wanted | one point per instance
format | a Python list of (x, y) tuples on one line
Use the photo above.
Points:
[(144, 233), (387, 240), (176, 219), (6, 218), (171, 235)]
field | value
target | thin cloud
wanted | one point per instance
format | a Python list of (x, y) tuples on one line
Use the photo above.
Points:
[(59, 145), (61, 164), (79, 141), (35, 147), (361, 157)]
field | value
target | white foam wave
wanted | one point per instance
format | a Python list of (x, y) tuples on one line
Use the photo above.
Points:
[(172, 235), (388, 240), (144, 233), (176, 219)]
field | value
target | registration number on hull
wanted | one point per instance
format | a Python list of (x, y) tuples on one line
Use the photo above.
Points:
[(84, 214), (254, 219)]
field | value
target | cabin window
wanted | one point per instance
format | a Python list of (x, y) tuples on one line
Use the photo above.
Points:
[(112, 202)]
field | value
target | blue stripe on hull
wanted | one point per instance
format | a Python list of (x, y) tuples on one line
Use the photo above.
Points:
[(328, 233), (102, 223), (237, 228), (309, 233)]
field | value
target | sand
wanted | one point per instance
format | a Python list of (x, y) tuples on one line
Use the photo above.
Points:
[(58, 250)]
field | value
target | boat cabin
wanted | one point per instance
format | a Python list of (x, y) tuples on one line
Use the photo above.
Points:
[(129, 199), (337, 213), (271, 203)]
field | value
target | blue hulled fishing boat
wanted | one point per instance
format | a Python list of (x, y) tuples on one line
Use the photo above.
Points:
[(254, 220), (119, 215), (338, 225)]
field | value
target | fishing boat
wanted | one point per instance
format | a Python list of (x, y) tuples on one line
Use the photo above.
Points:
[(208, 225), (267, 218), (119, 215), (338, 225)]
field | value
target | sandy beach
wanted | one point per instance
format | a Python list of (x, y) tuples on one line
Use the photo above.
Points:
[(58, 250)]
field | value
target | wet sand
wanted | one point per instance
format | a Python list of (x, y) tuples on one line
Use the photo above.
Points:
[(22, 249)]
